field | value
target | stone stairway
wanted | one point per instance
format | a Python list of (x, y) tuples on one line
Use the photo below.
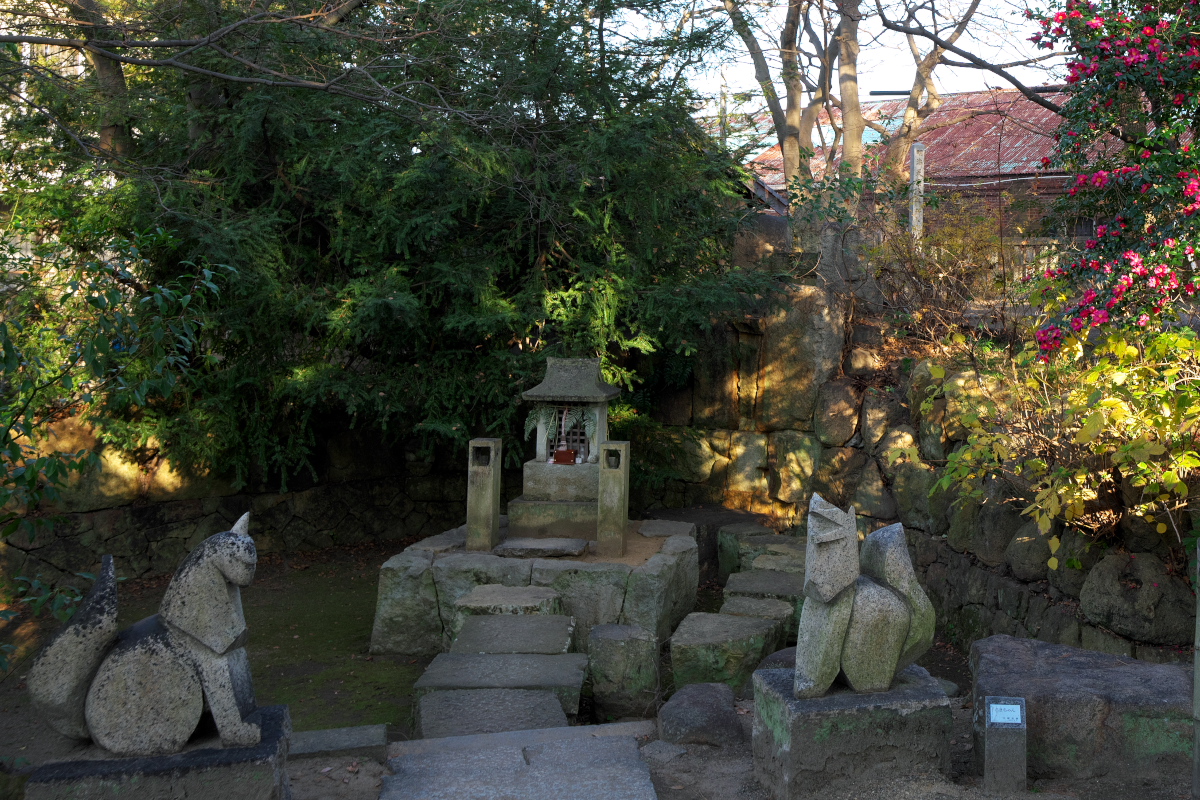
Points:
[(508, 668), (764, 590)]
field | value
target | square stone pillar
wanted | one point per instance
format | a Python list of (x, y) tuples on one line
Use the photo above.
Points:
[(613, 517), (483, 494)]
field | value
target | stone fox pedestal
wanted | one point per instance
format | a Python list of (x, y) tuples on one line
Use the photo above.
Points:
[(805, 747)]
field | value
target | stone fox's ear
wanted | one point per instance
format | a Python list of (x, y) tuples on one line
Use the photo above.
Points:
[(62, 674), (242, 526)]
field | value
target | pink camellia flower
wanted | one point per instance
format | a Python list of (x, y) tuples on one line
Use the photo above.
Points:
[(1144, 320), (1099, 318)]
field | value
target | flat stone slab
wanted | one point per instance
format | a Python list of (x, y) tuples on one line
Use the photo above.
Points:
[(720, 648), (562, 674), (548, 634), (767, 583), (540, 548), (229, 773), (525, 765), (780, 611), (451, 541), (639, 729), (803, 748), (654, 528), (368, 741), (465, 712), (496, 598), (1088, 714)]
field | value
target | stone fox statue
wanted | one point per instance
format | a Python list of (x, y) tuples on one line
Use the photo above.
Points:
[(142, 691), (864, 615)]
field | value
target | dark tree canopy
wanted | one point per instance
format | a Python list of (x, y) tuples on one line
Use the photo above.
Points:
[(418, 202)]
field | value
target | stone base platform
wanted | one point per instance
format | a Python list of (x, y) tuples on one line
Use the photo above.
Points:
[(229, 773), (653, 586), (804, 747)]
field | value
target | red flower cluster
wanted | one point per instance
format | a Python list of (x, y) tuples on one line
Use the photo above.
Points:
[(1132, 112)]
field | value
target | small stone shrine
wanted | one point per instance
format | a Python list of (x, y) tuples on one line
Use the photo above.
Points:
[(855, 702), (577, 484), (143, 691)]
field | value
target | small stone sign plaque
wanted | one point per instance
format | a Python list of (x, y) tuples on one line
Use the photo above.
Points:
[(1004, 744)]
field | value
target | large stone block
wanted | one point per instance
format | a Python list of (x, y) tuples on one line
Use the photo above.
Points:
[(543, 481), (765, 583), (1028, 552), (458, 573), (623, 664), (1132, 594), (748, 470), (718, 648), (592, 593), (838, 474), (562, 674), (407, 620), (871, 497), (548, 634), (1089, 714), (729, 545), (496, 599), (700, 713), (661, 592), (836, 417), (560, 518), (807, 747), (780, 611), (801, 350), (795, 456)]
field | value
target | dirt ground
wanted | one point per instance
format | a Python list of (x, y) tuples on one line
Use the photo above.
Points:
[(310, 622)]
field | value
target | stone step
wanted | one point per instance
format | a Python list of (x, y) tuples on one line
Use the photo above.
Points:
[(720, 648), (780, 611), (578, 763), (547, 634), (464, 712), (766, 583), (561, 674), (661, 528), (540, 548), (492, 599)]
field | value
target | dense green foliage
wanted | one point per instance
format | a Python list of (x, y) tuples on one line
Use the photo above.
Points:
[(491, 183)]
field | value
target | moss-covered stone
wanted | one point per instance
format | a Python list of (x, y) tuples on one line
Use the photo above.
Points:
[(719, 648)]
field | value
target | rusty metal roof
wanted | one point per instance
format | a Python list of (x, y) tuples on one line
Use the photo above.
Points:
[(977, 138)]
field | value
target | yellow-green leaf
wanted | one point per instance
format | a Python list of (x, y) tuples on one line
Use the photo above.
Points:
[(1052, 563), (1162, 527), (1055, 543), (937, 372), (1091, 427)]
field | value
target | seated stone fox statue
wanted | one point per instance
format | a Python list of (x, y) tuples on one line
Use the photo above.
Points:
[(142, 691), (865, 617)]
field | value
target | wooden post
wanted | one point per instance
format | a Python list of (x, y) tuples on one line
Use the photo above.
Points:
[(916, 191)]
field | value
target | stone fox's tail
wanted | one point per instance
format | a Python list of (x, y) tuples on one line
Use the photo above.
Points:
[(63, 672)]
